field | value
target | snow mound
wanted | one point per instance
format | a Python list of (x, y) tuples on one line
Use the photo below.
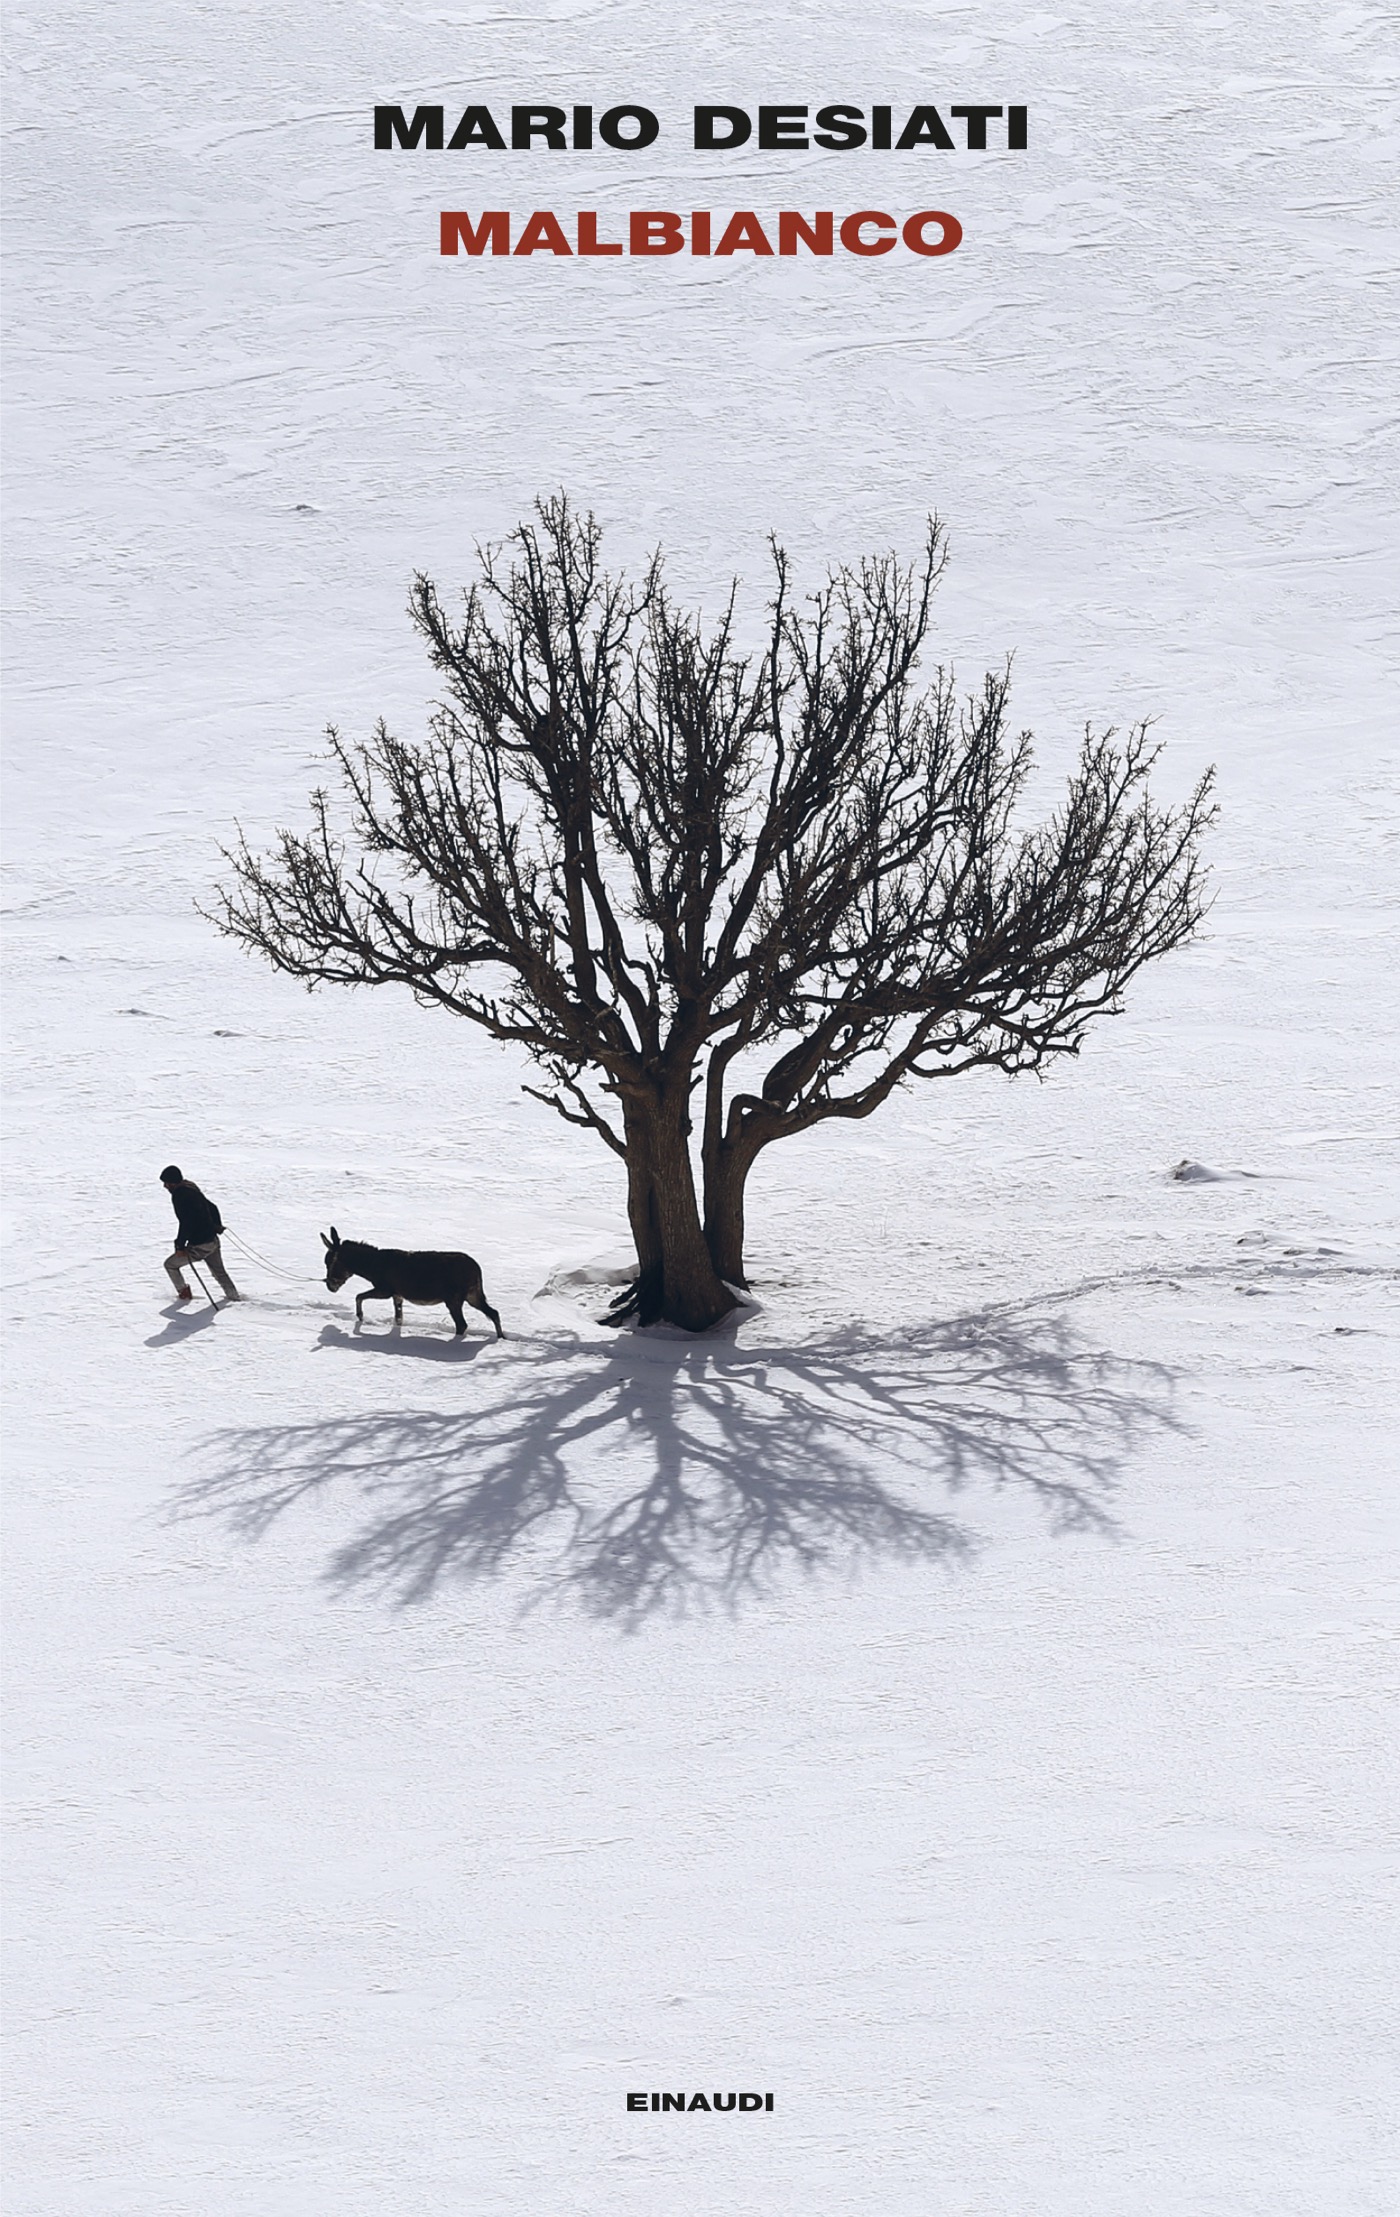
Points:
[(608, 1270)]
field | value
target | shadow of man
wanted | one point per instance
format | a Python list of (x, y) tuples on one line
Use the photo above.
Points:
[(184, 1323), (665, 1474)]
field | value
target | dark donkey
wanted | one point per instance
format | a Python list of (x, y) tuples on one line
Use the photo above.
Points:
[(397, 1275)]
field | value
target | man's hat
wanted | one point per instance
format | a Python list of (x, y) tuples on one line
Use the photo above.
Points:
[(172, 1175)]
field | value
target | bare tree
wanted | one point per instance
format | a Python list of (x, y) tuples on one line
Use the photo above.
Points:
[(660, 865)]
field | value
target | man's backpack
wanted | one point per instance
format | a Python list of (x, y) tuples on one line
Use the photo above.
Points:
[(210, 1223)]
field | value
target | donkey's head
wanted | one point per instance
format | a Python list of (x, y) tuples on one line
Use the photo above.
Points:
[(337, 1269)]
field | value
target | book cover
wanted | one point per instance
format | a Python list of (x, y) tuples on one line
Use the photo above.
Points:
[(886, 1713)]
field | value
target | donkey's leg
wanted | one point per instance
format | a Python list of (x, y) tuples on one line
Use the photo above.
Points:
[(454, 1310), (478, 1300), (398, 1310)]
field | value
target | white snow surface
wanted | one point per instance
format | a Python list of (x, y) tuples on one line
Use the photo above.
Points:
[(958, 1696)]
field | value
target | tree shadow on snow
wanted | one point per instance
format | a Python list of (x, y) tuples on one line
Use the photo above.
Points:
[(652, 1474)]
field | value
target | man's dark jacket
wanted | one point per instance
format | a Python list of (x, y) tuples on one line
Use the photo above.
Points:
[(200, 1220)]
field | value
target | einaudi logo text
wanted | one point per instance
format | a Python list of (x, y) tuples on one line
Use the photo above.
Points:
[(699, 2101)]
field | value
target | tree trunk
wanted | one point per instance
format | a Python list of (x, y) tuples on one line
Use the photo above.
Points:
[(726, 1176), (677, 1282), (643, 1298)]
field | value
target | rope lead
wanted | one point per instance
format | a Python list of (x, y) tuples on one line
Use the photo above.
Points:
[(292, 1277)]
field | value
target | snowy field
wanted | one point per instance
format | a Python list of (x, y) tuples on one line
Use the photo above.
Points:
[(957, 1697)]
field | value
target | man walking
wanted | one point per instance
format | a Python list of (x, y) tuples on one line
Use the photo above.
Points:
[(198, 1241)]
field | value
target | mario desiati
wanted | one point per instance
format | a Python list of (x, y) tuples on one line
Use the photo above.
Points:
[(660, 231), (630, 128)]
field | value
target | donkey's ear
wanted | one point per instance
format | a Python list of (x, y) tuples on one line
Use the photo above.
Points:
[(326, 1243), (335, 1235)]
